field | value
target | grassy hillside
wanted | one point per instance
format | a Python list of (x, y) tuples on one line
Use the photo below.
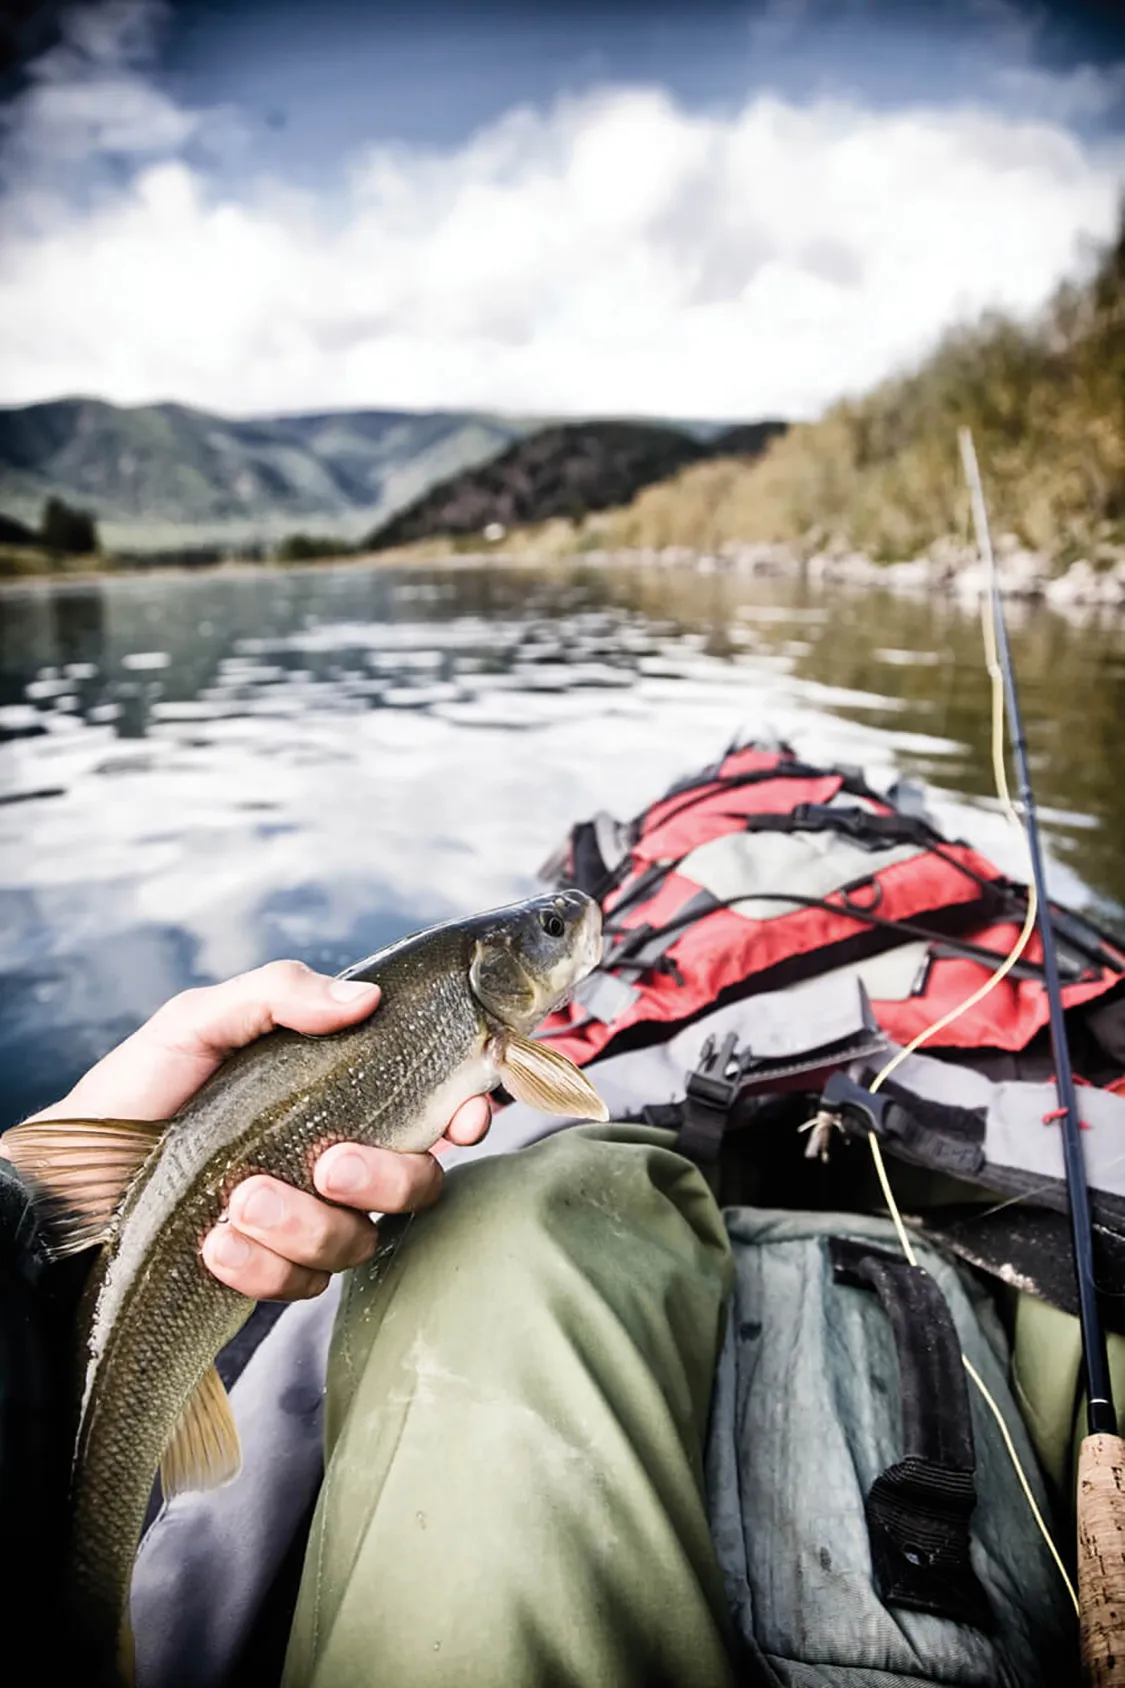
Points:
[(158, 474), (1045, 400)]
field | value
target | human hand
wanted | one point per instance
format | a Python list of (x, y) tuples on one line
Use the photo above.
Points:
[(276, 1243)]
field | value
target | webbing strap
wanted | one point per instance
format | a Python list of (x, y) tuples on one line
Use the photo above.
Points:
[(710, 1093), (943, 1137), (870, 831), (588, 868), (919, 1509), (702, 790)]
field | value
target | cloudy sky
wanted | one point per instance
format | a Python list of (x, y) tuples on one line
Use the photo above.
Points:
[(718, 210)]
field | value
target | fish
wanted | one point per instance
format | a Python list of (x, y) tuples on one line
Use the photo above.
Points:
[(459, 1002)]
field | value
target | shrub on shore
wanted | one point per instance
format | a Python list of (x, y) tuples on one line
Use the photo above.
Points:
[(307, 547), (66, 539), (66, 531)]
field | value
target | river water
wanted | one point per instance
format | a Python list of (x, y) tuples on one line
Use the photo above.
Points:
[(200, 773)]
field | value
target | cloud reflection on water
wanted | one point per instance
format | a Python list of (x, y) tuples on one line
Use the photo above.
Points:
[(311, 763)]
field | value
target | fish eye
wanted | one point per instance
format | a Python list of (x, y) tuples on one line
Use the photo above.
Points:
[(552, 923)]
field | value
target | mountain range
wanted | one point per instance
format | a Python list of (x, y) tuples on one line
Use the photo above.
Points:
[(168, 477), (165, 475)]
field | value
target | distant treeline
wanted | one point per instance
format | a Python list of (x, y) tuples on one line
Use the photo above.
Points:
[(63, 530), (67, 535)]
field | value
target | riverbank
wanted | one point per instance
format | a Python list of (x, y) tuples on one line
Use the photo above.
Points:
[(949, 569)]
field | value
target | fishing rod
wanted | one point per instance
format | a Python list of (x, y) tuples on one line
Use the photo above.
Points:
[(1101, 1460)]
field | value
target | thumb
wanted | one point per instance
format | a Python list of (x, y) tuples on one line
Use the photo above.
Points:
[(220, 1018), (164, 1062)]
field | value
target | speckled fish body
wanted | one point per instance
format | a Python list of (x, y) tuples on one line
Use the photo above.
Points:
[(457, 1004)]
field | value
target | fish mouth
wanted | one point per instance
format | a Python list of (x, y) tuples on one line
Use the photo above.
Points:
[(593, 950), (587, 952)]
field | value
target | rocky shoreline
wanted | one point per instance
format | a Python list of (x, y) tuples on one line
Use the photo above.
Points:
[(948, 568)]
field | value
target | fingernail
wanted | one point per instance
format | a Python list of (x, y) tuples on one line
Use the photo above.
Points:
[(263, 1207), (230, 1249), (345, 1175), (350, 990)]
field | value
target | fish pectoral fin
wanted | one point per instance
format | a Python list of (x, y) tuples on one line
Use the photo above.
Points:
[(78, 1171), (544, 1079), (203, 1450)]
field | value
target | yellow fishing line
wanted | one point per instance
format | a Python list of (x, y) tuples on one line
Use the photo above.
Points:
[(995, 674), (996, 677)]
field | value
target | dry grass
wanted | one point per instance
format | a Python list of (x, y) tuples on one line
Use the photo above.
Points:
[(1046, 403), (26, 561)]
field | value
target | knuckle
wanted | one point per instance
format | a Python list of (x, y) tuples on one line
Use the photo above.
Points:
[(367, 1241), (183, 1006), (431, 1188), (286, 973), (278, 1280), (419, 1177), (242, 1192), (314, 1283), (326, 1233), (397, 1183)]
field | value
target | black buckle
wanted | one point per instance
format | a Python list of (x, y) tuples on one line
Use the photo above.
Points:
[(870, 831), (842, 1092), (717, 1078), (906, 1127), (710, 1093)]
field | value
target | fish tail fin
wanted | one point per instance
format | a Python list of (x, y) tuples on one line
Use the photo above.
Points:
[(78, 1172)]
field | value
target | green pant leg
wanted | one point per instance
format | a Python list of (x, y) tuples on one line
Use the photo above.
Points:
[(517, 1405), (1046, 1375)]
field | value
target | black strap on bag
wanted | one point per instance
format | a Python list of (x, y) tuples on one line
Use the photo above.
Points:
[(700, 1121), (870, 831), (710, 1094), (919, 1509), (941, 1137)]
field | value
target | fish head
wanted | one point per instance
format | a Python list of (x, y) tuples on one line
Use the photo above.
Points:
[(529, 956)]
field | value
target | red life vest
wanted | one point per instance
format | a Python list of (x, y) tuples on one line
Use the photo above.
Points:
[(763, 871)]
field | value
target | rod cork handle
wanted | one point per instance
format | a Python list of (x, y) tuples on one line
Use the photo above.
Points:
[(1101, 1559)]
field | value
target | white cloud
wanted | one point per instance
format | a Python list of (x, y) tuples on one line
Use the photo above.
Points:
[(616, 254), (1085, 92), (88, 97)]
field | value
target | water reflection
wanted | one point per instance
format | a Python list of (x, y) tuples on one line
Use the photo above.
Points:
[(197, 774)]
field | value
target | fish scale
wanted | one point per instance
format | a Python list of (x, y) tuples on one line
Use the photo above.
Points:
[(457, 1004)]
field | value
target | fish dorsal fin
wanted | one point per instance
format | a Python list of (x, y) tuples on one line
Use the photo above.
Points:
[(78, 1171), (545, 1079), (203, 1450)]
